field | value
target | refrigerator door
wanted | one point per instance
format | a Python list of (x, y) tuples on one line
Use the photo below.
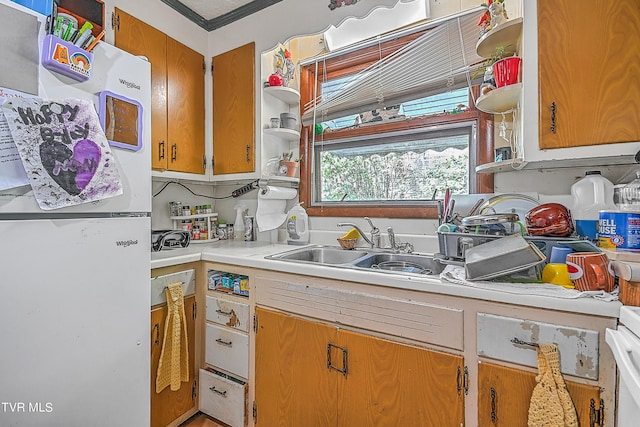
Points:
[(75, 313), (123, 74)]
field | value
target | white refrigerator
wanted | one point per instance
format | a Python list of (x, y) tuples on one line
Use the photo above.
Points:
[(75, 300)]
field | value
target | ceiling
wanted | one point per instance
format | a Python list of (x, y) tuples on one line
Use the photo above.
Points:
[(212, 14)]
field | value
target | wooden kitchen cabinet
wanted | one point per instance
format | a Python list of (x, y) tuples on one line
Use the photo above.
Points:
[(316, 374), (589, 92), (177, 98), (504, 394), (234, 111), (167, 406)]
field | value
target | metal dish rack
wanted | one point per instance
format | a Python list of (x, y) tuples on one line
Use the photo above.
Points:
[(453, 245)]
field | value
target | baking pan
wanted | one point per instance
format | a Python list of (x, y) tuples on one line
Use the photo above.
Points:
[(501, 257)]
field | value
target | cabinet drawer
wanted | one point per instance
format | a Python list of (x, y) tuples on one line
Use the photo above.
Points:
[(223, 397), (579, 348), (401, 317), (228, 313), (228, 350), (160, 283)]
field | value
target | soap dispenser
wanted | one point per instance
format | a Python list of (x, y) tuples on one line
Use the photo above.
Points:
[(298, 225), (239, 224)]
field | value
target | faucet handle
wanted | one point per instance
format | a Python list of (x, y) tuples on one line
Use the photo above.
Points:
[(373, 227)]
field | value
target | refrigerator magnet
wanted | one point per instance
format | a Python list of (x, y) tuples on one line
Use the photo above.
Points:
[(121, 120)]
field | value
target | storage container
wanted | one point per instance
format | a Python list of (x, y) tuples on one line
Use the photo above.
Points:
[(590, 195)]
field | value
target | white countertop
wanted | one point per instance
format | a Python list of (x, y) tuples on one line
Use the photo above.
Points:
[(252, 254)]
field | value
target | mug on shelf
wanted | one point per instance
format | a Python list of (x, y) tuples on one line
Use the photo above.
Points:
[(590, 271)]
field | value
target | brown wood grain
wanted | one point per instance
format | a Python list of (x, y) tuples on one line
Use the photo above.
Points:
[(294, 387), (167, 406), (138, 38), (185, 107), (393, 384), (588, 62), (233, 110), (513, 389)]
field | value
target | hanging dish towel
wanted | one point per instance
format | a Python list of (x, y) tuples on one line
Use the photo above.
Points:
[(551, 404), (174, 358)]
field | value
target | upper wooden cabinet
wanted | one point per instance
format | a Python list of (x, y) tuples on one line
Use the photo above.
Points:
[(588, 57), (177, 100), (234, 111)]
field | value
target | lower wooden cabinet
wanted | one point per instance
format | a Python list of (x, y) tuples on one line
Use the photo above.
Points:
[(314, 374), (504, 394), (167, 406)]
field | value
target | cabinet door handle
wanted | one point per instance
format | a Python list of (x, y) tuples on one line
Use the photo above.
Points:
[(553, 117), (345, 359), (156, 328), (221, 393), (494, 417), (161, 145), (223, 342), (459, 380), (248, 148), (174, 152), (224, 313)]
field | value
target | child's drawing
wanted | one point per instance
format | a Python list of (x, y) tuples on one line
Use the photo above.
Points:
[(64, 151)]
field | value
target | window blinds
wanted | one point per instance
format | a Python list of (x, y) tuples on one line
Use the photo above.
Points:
[(443, 58)]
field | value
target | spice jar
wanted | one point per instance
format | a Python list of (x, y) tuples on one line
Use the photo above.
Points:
[(222, 231)]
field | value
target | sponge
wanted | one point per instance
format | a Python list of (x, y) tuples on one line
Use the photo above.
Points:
[(352, 234)]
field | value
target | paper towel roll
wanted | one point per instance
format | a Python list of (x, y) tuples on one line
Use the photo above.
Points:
[(272, 201)]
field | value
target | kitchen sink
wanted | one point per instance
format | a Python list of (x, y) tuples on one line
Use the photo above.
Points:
[(404, 263), (369, 259), (320, 255)]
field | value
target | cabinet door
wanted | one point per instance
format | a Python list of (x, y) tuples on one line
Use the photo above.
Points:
[(294, 386), (389, 383), (138, 38), (504, 394), (234, 111), (587, 65), (185, 108), (168, 405)]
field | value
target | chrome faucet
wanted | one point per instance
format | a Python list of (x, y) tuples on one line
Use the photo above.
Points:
[(405, 247), (374, 241)]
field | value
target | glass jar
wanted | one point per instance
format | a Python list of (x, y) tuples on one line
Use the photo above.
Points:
[(222, 231), (175, 208)]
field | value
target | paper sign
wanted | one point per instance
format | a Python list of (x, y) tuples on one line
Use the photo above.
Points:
[(63, 150), (12, 172)]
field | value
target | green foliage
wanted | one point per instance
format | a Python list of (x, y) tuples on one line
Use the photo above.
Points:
[(406, 176)]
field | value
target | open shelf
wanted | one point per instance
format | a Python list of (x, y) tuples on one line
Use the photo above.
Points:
[(507, 34), (284, 133), (285, 94), (500, 100)]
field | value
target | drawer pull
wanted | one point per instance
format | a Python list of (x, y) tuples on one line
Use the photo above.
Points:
[(225, 313), (493, 406), (221, 393), (223, 342), (520, 342), (156, 328)]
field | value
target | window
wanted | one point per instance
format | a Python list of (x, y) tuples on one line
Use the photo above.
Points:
[(393, 160)]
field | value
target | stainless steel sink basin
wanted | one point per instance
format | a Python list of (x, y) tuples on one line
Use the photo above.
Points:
[(366, 259), (321, 255), (401, 263)]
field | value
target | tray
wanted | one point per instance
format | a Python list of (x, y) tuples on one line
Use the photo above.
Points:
[(501, 257)]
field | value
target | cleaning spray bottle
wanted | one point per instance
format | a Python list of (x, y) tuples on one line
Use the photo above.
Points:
[(298, 226), (239, 224)]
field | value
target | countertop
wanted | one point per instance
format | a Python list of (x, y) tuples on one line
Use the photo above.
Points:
[(252, 254)]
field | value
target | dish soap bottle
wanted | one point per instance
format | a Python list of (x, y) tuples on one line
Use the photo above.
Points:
[(298, 226), (239, 224)]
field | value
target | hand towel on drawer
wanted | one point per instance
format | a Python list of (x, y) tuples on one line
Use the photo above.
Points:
[(174, 358), (551, 403)]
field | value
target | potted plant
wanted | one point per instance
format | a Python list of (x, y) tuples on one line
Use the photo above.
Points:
[(289, 166), (498, 75)]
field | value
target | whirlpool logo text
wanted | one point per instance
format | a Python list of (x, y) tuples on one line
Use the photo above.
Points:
[(126, 243)]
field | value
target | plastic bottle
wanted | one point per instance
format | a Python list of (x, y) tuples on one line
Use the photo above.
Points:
[(239, 223), (298, 226), (591, 194)]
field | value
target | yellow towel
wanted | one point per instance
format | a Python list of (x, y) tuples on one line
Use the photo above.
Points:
[(551, 404), (174, 358)]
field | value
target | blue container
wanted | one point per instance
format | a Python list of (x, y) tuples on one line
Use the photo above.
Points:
[(41, 6)]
